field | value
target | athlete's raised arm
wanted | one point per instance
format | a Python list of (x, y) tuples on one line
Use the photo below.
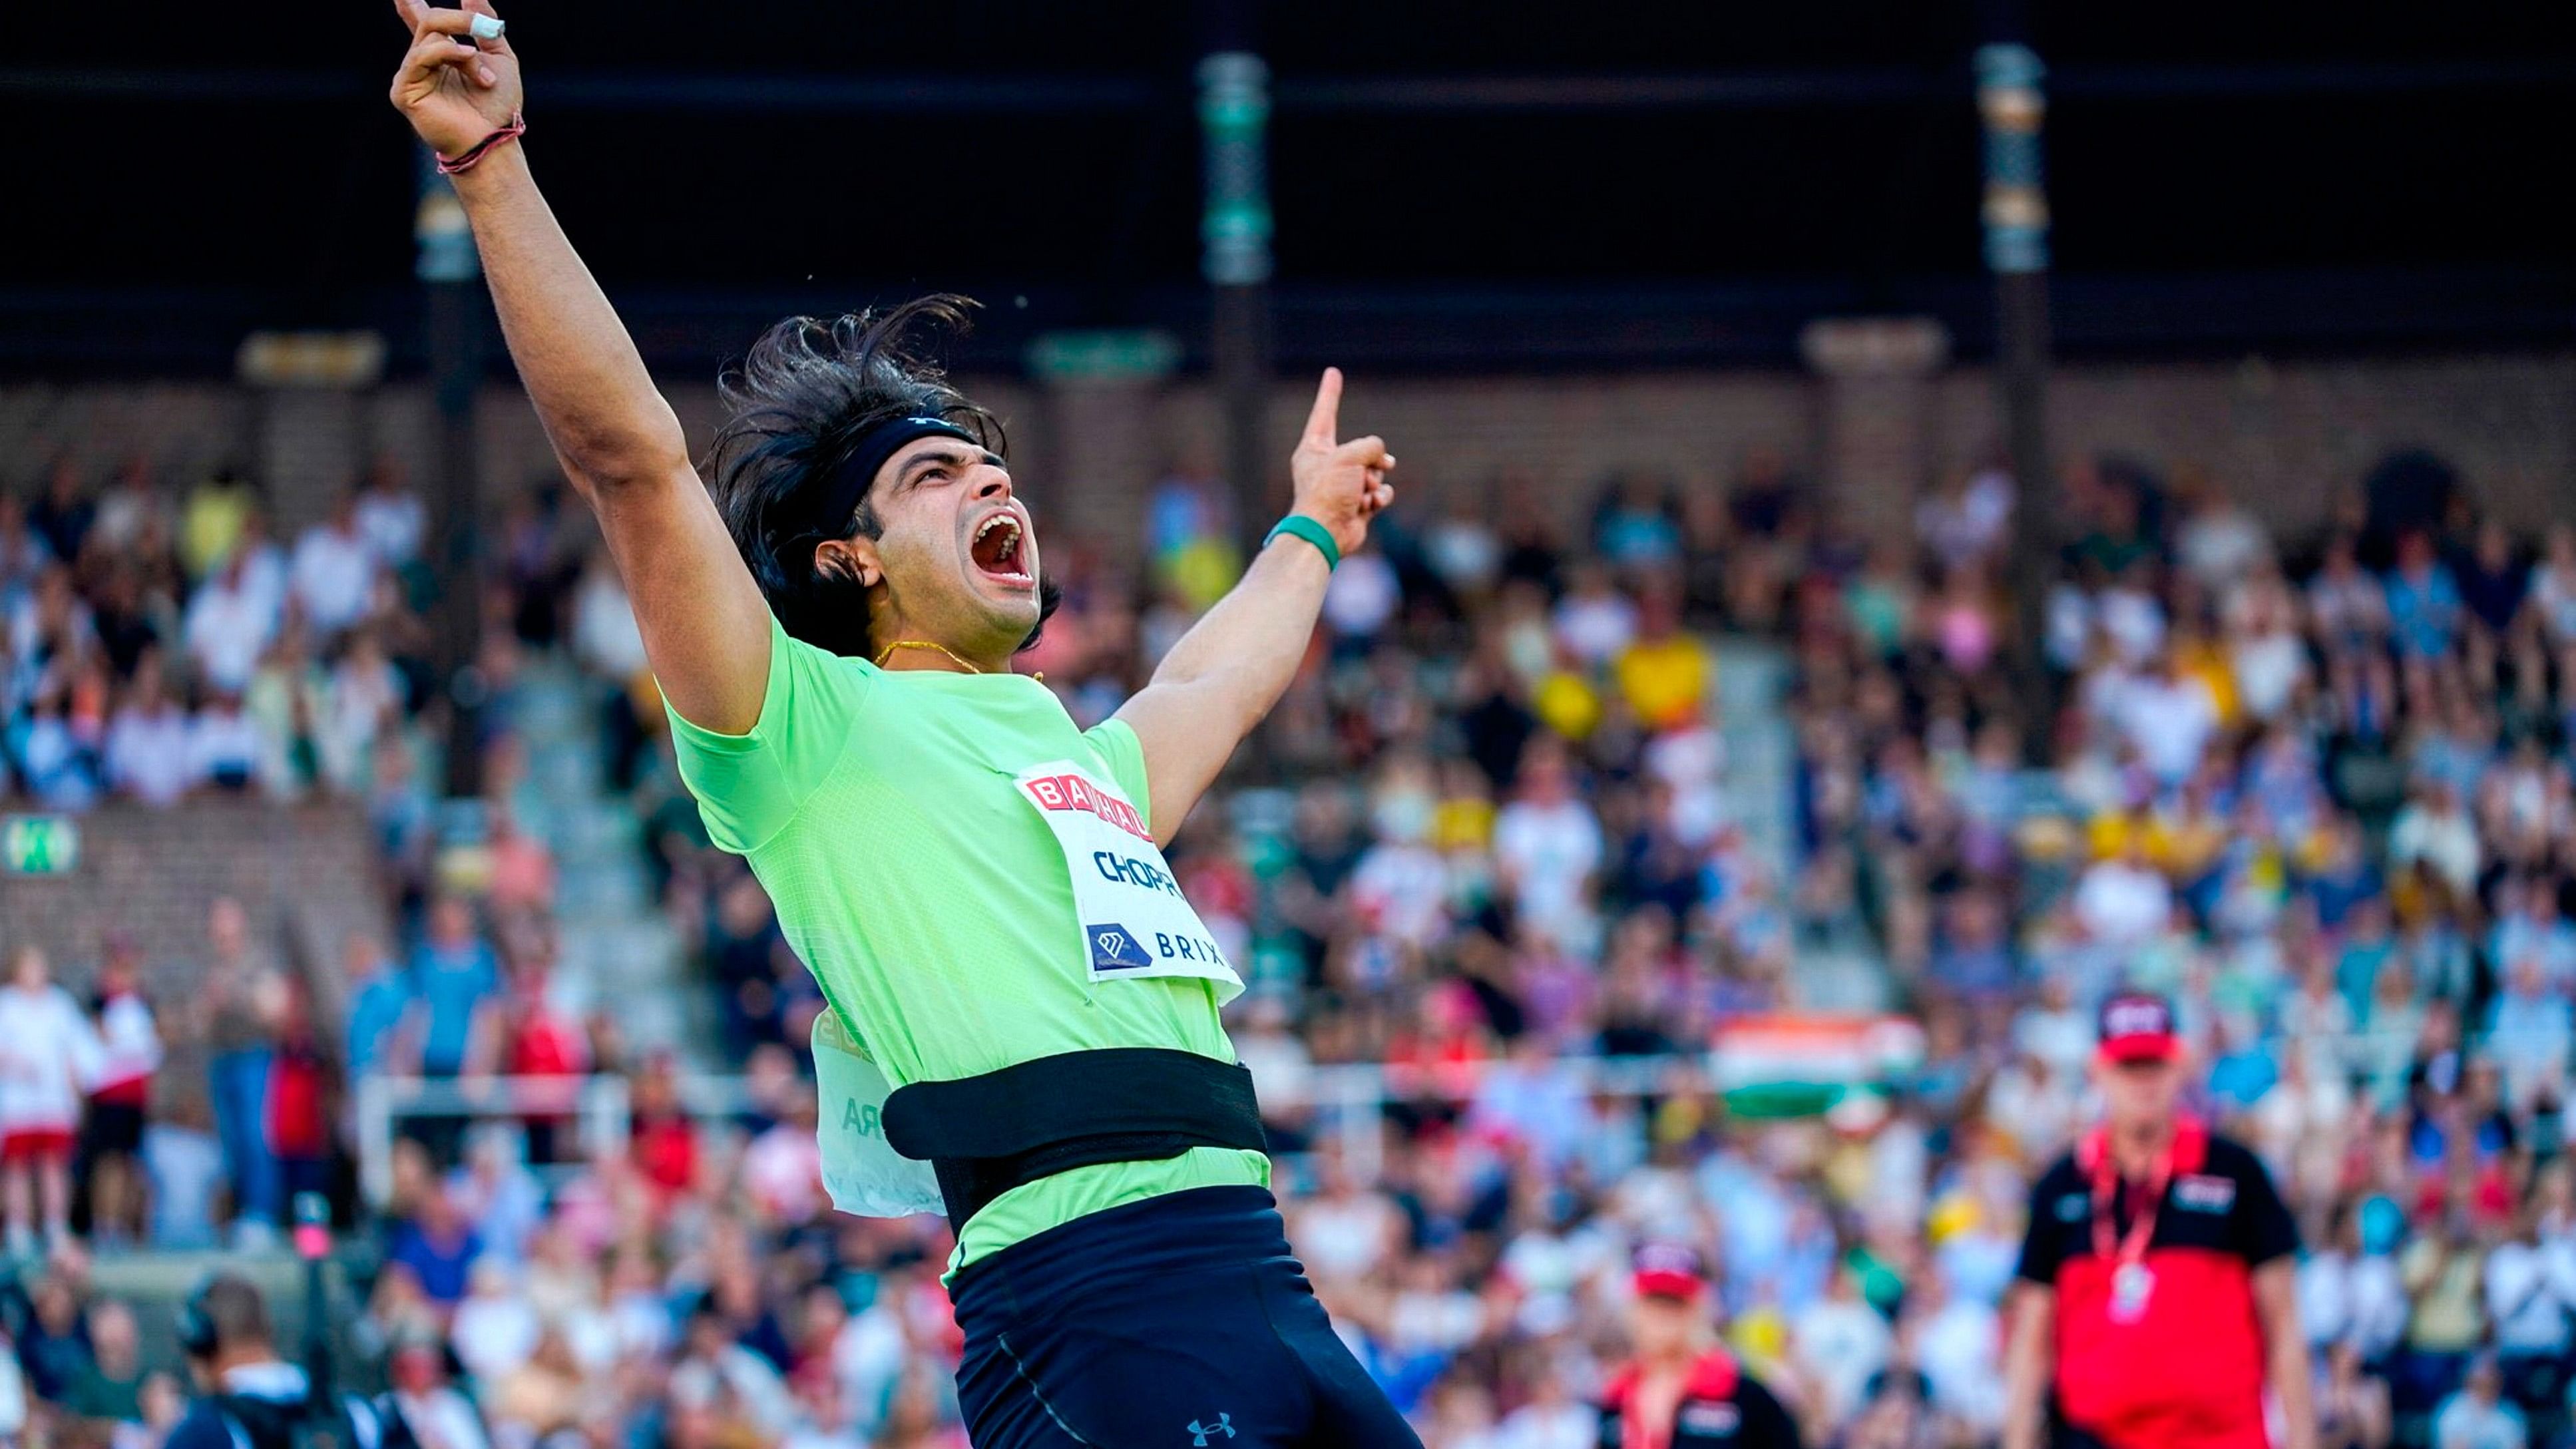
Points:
[(1233, 665), (705, 626)]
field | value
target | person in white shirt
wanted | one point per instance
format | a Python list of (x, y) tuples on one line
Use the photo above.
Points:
[(2122, 900), (2220, 541), (112, 1132), (1964, 522), (2477, 1417), (391, 516), (782, 1168), (2133, 619), (333, 574), (1837, 1342), (13, 1394), (147, 742), (2434, 829), (1362, 598), (224, 747), (363, 702), (604, 633), (1462, 548), (2265, 652), (495, 1328), (1343, 1231), (229, 624), (1594, 620), (2168, 719), (437, 1416), (1547, 845), (1400, 889), (2530, 1293), (1550, 1418), (1955, 1346), (48, 1054), (2345, 602)]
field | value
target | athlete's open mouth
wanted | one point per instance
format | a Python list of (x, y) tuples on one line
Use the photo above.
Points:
[(997, 550)]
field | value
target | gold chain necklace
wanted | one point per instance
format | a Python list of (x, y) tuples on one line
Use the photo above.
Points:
[(963, 663)]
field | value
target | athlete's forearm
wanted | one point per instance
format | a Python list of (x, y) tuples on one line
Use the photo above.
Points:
[(582, 371), (1240, 656), (1223, 676)]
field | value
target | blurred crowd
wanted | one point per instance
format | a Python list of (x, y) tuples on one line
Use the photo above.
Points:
[(2316, 788), (155, 644)]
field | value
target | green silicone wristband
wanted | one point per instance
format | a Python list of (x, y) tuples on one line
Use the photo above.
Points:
[(1308, 529)]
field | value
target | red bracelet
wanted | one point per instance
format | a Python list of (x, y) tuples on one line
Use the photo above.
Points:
[(518, 127)]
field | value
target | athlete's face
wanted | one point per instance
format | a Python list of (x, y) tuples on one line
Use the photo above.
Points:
[(958, 556)]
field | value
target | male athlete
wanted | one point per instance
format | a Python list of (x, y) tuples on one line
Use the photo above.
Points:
[(977, 885)]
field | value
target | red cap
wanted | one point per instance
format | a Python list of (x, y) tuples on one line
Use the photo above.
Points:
[(2138, 1026), (1668, 1270)]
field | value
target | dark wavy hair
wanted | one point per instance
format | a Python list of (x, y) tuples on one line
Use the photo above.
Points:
[(794, 407)]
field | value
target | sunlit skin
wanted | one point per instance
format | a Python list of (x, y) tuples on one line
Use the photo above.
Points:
[(2139, 1101), (922, 573), (1665, 1331)]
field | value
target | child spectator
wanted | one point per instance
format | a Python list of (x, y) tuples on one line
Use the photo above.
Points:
[(112, 1133), (47, 1053)]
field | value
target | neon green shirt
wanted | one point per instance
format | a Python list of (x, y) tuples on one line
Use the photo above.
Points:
[(930, 900)]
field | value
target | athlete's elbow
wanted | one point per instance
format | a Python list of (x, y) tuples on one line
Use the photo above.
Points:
[(611, 459)]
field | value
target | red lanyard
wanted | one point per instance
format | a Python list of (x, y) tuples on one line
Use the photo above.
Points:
[(2142, 1215)]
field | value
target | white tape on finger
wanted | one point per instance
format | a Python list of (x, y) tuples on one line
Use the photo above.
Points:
[(488, 27)]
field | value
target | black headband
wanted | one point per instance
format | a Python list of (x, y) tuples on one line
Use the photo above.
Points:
[(850, 483)]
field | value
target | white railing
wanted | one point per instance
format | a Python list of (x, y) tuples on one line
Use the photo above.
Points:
[(1348, 1101), (1351, 1098), (597, 1105)]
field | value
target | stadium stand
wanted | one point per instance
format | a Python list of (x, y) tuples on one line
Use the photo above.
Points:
[(1586, 775)]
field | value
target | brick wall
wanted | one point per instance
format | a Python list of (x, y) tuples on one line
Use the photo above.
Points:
[(2281, 434), (304, 873)]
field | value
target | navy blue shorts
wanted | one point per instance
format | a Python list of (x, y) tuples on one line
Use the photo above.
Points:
[(1179, 1322)]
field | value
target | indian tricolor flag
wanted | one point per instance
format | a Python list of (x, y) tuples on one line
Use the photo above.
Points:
[(1797, 1064)]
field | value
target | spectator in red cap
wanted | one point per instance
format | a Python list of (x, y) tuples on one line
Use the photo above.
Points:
[(1682, 1390), (2156, 1298)]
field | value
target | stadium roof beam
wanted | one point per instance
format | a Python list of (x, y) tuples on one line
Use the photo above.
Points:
[(1318, 95)]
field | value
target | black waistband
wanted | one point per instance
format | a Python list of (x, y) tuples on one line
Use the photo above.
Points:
[(987, 1134)]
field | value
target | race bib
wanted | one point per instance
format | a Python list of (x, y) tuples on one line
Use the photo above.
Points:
[(1135, 921), (861, 1170)]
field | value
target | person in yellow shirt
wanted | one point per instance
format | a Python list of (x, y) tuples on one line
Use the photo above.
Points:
[(212, 521), (2198, 656), (1664, 672)]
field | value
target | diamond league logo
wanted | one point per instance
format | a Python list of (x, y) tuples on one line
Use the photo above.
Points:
[(1115, 948)]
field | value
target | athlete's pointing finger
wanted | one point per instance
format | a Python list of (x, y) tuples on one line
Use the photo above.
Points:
[(1320, 423)]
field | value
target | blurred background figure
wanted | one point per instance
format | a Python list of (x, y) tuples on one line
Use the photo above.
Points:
[(1681, 1389)]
